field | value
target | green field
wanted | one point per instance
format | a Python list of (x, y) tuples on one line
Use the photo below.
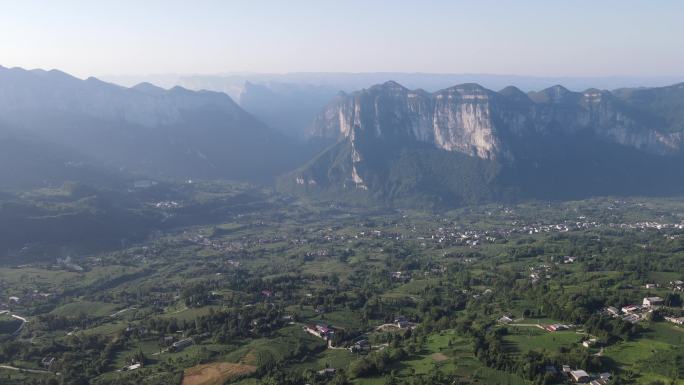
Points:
[(523, 339), (658, 355)]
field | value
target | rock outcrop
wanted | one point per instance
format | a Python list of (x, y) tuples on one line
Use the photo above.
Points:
[(476, 121), (513, 134)]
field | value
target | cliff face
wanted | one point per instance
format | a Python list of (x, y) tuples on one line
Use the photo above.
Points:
[(509, 131), (615, 120), (455, 119), (475, 121)]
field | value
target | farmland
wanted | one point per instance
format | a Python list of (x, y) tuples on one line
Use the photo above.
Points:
[(284, 293)]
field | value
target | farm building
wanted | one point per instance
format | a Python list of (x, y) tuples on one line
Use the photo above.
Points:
[(320, 330), (675, 320), (629, 309), (579, 376), (182, 344), (652, 301)]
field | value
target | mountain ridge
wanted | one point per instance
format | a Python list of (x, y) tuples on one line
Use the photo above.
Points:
[(144, 130), (499, 127)]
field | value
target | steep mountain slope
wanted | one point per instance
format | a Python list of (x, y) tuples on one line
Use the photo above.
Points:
[(147, 130), (468, 144)]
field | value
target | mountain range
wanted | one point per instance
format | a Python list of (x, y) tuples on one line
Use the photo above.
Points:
[(387, 143), (468, 144), (290, 101), (54, 126)]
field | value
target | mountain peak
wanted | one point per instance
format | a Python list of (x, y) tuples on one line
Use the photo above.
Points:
[(465, 89), (554, 94), (181, 90), (468, 87), (512, 91), (557, 91), (148, 88), (515, 95), (391, 84)]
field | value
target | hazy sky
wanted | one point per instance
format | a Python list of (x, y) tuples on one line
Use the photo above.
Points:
[(526, 37)]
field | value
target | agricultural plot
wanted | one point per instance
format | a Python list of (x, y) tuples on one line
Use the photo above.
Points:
[(658, 355), (243, 291), (217, 373), (523, 339)]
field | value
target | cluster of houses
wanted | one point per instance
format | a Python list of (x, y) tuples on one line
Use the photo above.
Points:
[(475, 237), (677, 285), (47, 362), (202, 240), (326, 372), (649, 225), (321, 330), (167, 205), (580, 376), (652, 302), (360, 346), (539, 272), (26, 298), (635, 313), (507, 318), (558, 327), (569, 259), (402, 322), (400, 276)]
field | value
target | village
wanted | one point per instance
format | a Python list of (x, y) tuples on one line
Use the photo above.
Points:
[(339, 297)]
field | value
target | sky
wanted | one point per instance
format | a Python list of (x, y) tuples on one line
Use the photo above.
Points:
[(522, 37)]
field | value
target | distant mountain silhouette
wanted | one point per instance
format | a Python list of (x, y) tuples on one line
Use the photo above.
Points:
[(62, 122)]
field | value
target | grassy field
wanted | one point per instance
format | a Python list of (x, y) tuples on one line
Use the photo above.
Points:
[(280, 346), (89, 308), (327, 359), (657, 355), (188, 314), (451, 354), (37, 276), (523, 339), (341, 319)]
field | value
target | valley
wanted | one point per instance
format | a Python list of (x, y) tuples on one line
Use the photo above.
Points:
[(341, 192), (277, 290)]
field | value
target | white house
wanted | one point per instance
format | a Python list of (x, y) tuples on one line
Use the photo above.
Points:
[(652, 301), (675, 320), (629, 309), (613, 311), (579, 376)]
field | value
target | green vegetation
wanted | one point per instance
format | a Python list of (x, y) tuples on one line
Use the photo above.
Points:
[(409, 297)]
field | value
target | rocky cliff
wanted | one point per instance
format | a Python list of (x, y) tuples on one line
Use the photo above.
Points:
[(475, 121), (511, 129)]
